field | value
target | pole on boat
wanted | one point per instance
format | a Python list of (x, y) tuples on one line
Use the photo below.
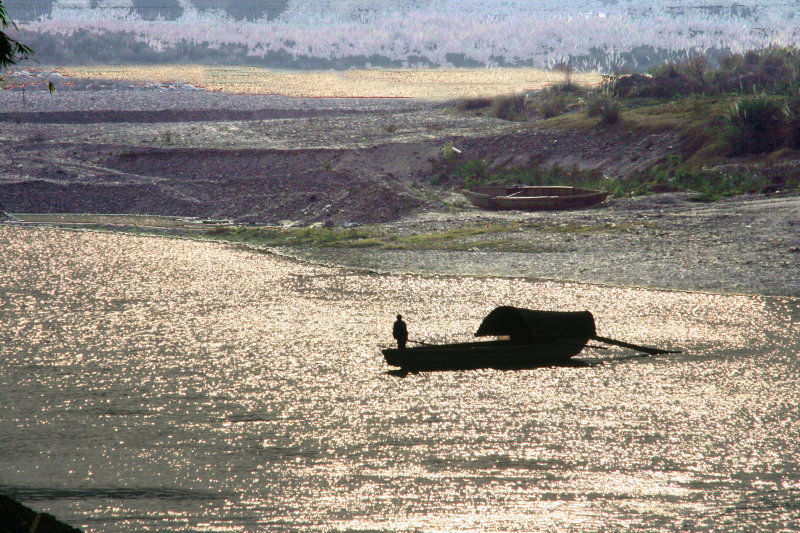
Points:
[(645, 349), (420, 342)]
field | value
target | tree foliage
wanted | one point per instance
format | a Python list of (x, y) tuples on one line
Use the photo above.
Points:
[(11, 50)]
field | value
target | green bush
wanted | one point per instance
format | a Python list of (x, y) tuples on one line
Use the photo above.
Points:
[(755, 125)]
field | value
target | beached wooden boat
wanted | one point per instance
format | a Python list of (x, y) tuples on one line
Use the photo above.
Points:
[(529, 338), (534, 337), (525, 198)]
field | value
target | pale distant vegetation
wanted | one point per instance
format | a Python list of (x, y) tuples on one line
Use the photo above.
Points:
[(595, 35)]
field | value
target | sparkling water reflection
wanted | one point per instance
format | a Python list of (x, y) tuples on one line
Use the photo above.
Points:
[(163, 385)]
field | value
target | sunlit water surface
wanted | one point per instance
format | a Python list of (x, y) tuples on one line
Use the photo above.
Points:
[(162, 385)]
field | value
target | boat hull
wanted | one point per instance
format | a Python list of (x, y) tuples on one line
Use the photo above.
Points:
[(489, 354), (533, 198)]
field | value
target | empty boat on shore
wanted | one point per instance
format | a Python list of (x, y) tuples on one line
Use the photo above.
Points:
[(525, 198), (526, 338)]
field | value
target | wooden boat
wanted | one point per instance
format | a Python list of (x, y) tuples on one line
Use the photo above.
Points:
[(530, 338), (524, 198), (534, 337)]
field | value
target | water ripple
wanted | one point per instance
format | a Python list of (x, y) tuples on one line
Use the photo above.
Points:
[(154, 384)]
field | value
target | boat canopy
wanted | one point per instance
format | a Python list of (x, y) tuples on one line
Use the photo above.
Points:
[(526, 324)]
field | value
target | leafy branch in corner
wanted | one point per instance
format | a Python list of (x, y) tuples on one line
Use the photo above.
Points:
[(11, 50)]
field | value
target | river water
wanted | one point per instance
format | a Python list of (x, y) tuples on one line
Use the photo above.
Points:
[(153, 384)]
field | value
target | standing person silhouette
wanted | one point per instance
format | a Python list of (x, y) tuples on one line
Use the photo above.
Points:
[(400, 332)]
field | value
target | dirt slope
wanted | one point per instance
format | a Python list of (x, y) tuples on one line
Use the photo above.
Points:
[(262, 159)]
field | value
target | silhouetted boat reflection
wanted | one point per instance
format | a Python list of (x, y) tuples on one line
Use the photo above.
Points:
[(567, 363), (529, 339)]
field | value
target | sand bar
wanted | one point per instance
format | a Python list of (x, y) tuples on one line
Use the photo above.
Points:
[(431, 84)]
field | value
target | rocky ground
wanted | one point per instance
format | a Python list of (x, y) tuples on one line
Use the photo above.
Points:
[(112, 147)]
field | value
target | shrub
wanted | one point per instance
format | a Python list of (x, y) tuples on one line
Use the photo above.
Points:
[(449, 152), (709, 184), (565, 87), (755, 125), (773, 69), (793, 124), (473, 172), (470, 104), (605, 106), (509, 107), (656, 85), (568, 71), (551, 105)]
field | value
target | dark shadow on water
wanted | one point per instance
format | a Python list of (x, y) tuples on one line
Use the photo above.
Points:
[(624, 358), (121, 493), (571, 363)]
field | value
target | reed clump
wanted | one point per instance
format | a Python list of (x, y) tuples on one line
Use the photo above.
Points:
[(756, 124)]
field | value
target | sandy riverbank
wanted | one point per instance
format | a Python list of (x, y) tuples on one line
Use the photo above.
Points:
[(428, 84)]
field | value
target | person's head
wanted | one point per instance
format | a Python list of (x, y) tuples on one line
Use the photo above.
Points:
[(399, 317)]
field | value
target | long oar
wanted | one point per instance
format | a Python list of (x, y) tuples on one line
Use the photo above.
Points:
[(645, 349), (420, 342)]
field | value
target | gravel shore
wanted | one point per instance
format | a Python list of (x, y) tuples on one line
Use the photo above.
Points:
[(746, 244)]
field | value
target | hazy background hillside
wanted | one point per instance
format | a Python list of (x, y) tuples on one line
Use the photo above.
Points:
[(603, 35)]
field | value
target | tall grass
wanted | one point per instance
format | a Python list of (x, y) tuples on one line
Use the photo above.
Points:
[(756, 125)]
